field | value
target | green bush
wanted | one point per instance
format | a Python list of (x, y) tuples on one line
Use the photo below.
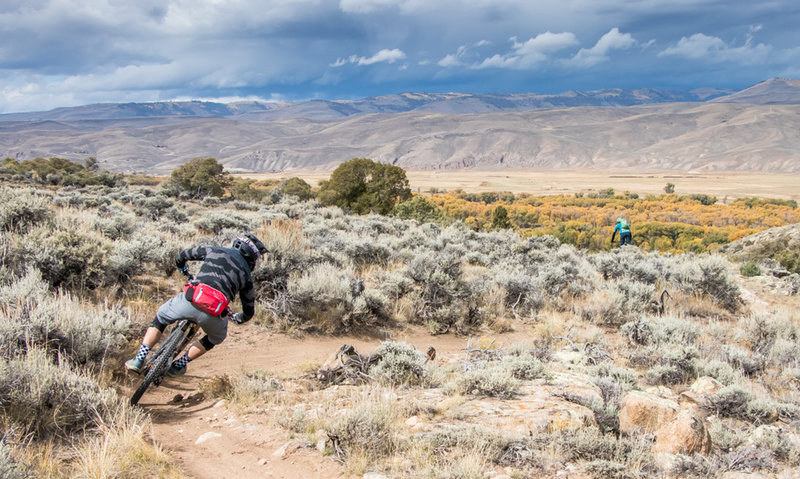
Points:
[(198, 178), (420, 209), (362, 186), (298, 187), (750, 269)]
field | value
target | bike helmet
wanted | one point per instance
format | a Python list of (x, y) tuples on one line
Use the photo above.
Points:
[(250, 247)]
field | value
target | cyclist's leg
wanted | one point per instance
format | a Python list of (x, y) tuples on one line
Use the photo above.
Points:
[(168, 313), (216, 330)]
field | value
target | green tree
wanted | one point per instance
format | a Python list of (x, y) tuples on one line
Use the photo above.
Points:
[(298, 187), (363, 185), (199, 178), (669, 188), (420, 209), (500, 218), (242, 189)]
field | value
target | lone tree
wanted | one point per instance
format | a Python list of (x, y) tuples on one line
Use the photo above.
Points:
[(363, 186), (500, 218), (199, 178)]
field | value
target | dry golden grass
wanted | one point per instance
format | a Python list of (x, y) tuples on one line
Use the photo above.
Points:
[(553, 182)]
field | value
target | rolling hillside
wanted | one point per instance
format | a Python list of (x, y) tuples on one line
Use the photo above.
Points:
[(757, 129)]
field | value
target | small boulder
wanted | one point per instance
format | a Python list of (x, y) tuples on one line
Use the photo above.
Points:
[(642, 412), (685, 434)]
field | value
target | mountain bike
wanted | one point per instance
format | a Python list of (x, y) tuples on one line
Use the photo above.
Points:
[(157, 364)]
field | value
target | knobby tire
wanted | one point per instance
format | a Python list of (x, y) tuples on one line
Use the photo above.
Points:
[(160, 363)]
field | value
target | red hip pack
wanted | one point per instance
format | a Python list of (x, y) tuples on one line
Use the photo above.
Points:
[(205, 298)]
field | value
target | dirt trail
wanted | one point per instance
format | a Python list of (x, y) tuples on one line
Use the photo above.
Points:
[(245, 446)]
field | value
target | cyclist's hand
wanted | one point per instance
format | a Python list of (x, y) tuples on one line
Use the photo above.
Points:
[(238, 318), (185, 271)]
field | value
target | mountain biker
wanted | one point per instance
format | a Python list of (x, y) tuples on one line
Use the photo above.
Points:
[(624, 229), (225, 272)]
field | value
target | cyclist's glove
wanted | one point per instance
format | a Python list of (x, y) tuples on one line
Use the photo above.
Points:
[(238, 318), (184, 271)]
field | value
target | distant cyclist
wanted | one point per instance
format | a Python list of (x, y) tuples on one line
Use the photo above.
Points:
[(225, 272), (624, 229)]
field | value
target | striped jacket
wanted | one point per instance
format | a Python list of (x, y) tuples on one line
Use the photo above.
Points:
[(225, 270)]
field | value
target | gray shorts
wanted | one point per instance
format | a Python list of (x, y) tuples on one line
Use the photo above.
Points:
[(178, 308)]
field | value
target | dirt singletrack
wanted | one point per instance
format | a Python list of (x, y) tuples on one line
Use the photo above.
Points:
[(209, 439)]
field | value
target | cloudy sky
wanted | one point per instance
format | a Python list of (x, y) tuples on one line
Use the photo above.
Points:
[(57, 53)]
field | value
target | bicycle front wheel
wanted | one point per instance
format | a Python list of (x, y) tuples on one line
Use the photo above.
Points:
[(160, 364)]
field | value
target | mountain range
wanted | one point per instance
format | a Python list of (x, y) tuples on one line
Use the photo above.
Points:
[(755, 129)]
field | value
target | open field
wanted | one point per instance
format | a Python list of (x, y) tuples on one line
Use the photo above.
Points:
[(552, 182)]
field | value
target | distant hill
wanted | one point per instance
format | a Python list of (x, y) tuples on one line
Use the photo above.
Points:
[(753, 130), (776, 91), (325, 110)]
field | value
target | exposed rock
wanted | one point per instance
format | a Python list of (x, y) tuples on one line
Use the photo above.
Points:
[(685, 434), (205, 437), (642, 412), (699, 392), (288, 448), (706, 386), (662, 392), (412, 421)]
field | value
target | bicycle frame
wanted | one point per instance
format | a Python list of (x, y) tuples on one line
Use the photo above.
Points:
[(157, 365)]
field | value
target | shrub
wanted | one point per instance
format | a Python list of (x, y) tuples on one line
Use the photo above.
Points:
[(9, 469), (523, 365), (465, 438), (45, 399), (494, 381), (131, 257), (364, 430), (216, 221), (69, 258), (118, 226), (420, 209), (749, 269), (298, 187), (399, 364), (711, 275), (20, 210), (62, 325), (327, 298)]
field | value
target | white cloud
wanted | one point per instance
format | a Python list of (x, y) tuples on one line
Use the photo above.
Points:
[(453, 59), (531, 52), (705, 47), (383, 56), (613, 40)]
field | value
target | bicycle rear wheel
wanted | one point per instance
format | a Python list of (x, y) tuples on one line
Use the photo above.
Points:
[(162, 359)]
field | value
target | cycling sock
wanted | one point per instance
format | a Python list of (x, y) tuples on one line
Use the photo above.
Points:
[(182, 361), (143, 350)]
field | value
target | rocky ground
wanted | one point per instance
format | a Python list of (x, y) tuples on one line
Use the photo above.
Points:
[(212, 437)]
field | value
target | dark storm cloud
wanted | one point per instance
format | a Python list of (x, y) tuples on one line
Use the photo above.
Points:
[(67, 52)]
